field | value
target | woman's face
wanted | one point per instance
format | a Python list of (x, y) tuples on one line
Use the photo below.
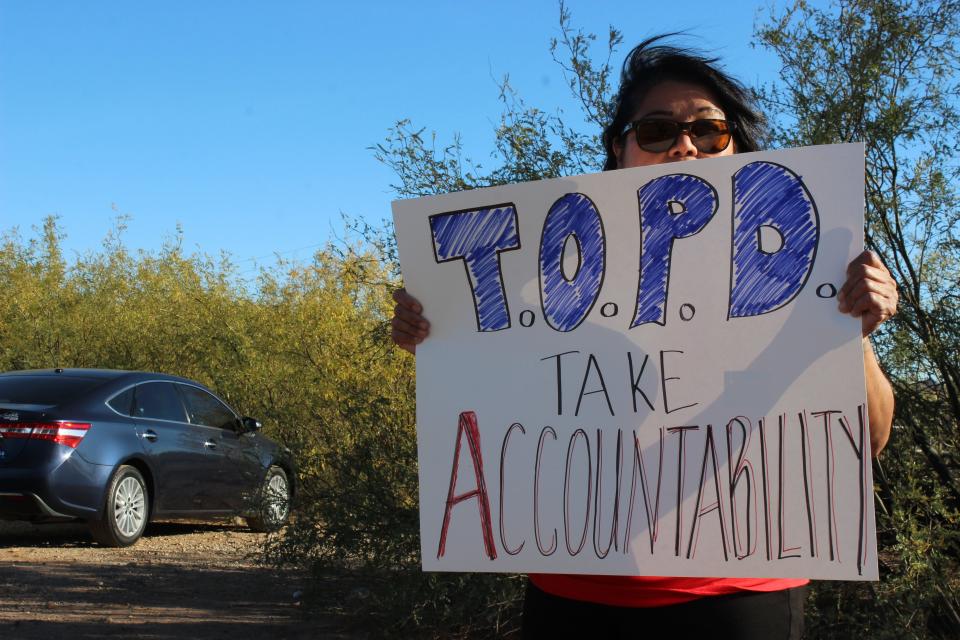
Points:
[(677, 101)]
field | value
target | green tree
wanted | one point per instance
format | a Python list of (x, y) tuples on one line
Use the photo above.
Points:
[(885, 72)]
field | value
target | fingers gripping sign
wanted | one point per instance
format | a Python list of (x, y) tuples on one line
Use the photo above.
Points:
[(409, 326), (869, 293)]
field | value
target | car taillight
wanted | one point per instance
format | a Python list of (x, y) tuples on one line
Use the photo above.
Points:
[(61, 432)]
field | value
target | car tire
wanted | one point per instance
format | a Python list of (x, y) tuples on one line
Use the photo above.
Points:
[(273, 502), (126, 511)]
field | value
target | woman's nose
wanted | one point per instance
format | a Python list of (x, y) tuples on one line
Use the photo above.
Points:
[(683, 146)]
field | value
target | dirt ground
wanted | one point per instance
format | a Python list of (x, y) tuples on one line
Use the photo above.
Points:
[(181, 581)]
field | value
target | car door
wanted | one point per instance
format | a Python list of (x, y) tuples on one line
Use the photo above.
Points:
[(239, 472), (185, 460)]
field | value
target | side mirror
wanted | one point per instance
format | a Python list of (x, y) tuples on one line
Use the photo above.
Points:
[(250, 424)]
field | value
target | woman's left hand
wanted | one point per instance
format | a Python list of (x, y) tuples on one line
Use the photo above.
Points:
[(870, 292)]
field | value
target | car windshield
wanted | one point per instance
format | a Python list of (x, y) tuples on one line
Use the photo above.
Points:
[(44, 390)]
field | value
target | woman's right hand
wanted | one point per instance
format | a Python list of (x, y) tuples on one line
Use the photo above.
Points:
[(409, 326)]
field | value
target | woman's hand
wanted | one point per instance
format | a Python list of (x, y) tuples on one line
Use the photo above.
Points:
[(870, 293), (409, 326)]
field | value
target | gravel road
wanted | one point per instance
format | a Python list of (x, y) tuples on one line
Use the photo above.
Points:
[(180, 581)]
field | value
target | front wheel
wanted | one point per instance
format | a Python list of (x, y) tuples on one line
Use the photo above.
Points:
[(125, 513), (273, 502)]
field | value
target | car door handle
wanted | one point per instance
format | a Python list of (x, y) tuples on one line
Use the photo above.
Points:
[(149, 435), (210, 444)]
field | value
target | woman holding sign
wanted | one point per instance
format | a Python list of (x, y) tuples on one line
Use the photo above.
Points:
[(674, 105)]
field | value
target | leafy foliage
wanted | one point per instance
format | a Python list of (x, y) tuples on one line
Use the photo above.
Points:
[(304, 349), (886, 72)]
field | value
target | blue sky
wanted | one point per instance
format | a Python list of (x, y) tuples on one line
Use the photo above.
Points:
[(248, 124)]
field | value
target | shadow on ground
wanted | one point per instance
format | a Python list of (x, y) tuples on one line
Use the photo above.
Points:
[(182, 581), (161, 602)]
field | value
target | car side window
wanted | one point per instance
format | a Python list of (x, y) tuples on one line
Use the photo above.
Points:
[(158, 400), (122, 403), (203, 408)]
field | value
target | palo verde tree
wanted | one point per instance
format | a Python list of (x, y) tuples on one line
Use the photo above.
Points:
[(887, 73)]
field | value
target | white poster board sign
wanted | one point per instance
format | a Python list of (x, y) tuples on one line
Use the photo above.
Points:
[(644, 371)]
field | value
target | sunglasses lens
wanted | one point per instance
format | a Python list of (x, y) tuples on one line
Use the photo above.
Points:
[(656, 136), (710, 136)]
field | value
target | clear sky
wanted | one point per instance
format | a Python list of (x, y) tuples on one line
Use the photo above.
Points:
[(248, 123)]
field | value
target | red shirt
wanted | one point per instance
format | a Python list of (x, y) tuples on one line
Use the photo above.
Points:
[(644, 591)]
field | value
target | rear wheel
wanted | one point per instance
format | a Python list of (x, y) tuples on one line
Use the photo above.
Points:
[(125, 513), (273, 502)]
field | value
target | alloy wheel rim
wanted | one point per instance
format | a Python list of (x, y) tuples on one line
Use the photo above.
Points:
[(277, 498), (128, 506)]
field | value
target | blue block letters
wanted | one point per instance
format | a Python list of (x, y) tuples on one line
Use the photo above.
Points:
[(477, 237), (567, 300), (671, 207), (770, 195)]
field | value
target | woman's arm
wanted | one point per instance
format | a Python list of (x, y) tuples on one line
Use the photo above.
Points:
[(870, 293), (879, 400)]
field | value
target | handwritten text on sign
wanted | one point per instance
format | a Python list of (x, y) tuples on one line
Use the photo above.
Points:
[(644, 371)]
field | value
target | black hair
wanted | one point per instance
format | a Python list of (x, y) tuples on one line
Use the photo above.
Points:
[(649, 64)]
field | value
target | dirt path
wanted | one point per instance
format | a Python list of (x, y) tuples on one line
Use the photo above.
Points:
[(180, 581)]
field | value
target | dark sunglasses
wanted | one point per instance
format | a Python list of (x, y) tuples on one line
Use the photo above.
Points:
[(657, 135)]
